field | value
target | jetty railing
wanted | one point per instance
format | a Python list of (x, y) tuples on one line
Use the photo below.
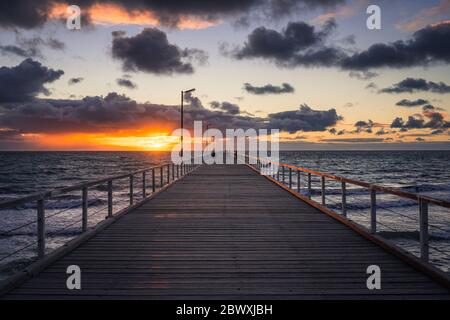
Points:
[(151, 180), (293, 177)]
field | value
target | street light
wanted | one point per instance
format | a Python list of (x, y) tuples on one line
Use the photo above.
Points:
[(182, 116)]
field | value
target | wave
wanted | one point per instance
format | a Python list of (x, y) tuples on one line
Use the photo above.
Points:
[(415, 235)]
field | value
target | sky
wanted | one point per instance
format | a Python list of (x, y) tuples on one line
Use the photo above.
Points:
[(312, 69)]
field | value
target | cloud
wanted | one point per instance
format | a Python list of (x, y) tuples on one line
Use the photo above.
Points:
[(226, 106), (24, 14), (26, 80), (31, 47), (381, 132), (436, 132), (363, 75), (411, 85), (430, 45), (411, 103), (176, 13), (269, 89), (77, 80), (426, 16), (14, 50), (55, 44), (431, 107), (304, 119), (150, 51), (194, 102), (342, 12), (299, 44), (115, 112), (428, 119), (127, 83), (355, 140)]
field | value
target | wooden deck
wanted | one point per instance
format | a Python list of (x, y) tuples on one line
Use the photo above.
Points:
[(225, 232)]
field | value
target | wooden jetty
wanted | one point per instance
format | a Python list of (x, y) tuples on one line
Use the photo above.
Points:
[(227, 232)]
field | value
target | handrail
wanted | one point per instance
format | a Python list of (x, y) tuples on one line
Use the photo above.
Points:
[(168, 172), (390, 190), (59, 191), (422, 200)]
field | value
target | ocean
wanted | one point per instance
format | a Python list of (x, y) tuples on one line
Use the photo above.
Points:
[(24, 173)]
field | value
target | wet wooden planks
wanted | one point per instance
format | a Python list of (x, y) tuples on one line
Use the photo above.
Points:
[(225, 232)]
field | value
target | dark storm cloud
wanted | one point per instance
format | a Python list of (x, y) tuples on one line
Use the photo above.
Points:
[(25, 81), (411, 103), (150, 51), (24, 13), (304, 119), (269, 89), (226, 106), (411, 85), (126, 83), (31, 13), (73, 81), (114, 112), (429, 45), (428, 119), (299, 44)]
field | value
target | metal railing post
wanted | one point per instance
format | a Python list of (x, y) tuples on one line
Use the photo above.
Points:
[(323, 190), (173, 171), (178, 171), (84, 213), (131, 189), (282, 173), (153, 180), (144, 189), (424, 232), (290, 178), (298, 181), (344, 199), (41, 228), (278, 173), (309, 186), (168, 173), (161, 172), (373, 210), (110, 199)]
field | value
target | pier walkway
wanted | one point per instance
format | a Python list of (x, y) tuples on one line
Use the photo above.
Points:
[(227, 232)]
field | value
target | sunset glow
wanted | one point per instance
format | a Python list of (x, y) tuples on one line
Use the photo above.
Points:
[(110, 14)]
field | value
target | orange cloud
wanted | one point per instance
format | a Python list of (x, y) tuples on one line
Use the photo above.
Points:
[(342, 12), (114, 14), (426, 17)]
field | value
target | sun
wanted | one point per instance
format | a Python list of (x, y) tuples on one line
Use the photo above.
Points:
[(156, 142)]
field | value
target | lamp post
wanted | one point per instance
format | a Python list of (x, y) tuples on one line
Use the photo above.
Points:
[(182, 117)]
